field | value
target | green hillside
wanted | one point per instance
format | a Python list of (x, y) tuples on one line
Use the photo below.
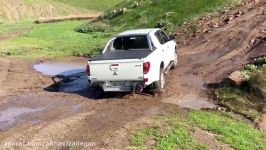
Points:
[(57, 39), (99, 5), (167, 14)]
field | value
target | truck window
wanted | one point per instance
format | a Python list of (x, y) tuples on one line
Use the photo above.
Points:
[(132, 42), (161, 37)]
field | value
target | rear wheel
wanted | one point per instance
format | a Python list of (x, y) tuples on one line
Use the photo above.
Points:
[(95, 92), (175, 61), (161, 82)]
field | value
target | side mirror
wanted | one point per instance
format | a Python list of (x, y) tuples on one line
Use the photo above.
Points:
[(172, 37)]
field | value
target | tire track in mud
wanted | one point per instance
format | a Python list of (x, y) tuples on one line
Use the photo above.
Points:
[(4, 65)]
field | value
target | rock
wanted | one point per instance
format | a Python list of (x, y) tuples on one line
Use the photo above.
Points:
[(205, 31), (255, 1), (261, 125), (231, 18), (236, 78), (225, 19), (216, 25), (124, 10)]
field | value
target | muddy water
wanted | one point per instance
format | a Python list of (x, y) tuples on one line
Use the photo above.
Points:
[(62, 66), (32, 109), (72, 69), (190, 95), (11, 116)]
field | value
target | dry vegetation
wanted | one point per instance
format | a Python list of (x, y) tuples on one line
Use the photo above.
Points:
[(17, 10)]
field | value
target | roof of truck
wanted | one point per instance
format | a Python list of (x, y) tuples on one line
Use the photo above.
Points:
[(138, 31)]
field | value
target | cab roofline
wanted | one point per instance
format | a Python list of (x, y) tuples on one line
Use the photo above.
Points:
[(138, 32)]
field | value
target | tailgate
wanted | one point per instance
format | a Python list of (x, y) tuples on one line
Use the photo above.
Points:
[(117, 70)]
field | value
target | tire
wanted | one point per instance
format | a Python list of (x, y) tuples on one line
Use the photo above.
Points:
[(95, 92), (161, 82), (175, 61)]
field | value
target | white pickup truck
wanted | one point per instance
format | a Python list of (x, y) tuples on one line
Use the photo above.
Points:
[(134, 60)]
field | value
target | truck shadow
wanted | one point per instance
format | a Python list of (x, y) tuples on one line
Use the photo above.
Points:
[(77, 83)]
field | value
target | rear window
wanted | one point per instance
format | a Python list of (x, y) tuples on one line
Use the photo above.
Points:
[(137, 42)]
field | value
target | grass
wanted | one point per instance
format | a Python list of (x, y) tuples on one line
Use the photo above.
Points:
[(176, 132), (99, 5), (238, 134), (249, 99), (49, 40), (173, 11), (238, 101), (174, 135), (60, 39), (165, 14)]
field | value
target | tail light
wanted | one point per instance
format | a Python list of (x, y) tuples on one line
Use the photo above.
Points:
[(88, 70), (146, 79), (146, 67)]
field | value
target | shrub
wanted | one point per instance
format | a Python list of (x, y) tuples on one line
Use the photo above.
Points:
[(93, 27), (259, 78), (164, 24), (260, 61)]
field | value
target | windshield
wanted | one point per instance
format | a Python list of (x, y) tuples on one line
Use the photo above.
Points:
[(132, 42)]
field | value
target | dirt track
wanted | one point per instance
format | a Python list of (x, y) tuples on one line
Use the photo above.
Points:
[(206, 58)]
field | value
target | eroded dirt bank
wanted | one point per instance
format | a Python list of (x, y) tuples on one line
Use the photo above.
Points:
[(205, 58), (217, 49)]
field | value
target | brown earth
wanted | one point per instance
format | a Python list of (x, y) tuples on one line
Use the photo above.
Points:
[(206, 57), (206, 138), (67, 18)]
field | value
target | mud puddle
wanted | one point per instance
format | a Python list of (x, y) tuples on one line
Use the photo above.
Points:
[(12, 116), (62, 66), (190, 94), (68, 74), (32, 109)]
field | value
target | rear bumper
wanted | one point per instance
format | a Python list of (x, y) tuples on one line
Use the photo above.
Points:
[(135, 86)]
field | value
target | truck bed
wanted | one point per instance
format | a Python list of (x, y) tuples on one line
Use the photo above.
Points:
[(122, 54)]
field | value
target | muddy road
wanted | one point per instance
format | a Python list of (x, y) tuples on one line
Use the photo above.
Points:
[(34, 109)]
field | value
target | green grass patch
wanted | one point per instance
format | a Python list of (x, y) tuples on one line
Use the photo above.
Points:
[(60, 39), (236, 133), (165, 14), (174, 135), (239, 101), (175, 132), (56, 39), (99, 5), (142, 135), (249, 98), (7, 28)]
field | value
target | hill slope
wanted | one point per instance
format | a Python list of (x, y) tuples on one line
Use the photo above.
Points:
[(14, 10), (166, 14), (99, 5)]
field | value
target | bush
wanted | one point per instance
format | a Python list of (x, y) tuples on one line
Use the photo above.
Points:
[(93, 27), (260, 61), (164, 24), (259, 78)]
